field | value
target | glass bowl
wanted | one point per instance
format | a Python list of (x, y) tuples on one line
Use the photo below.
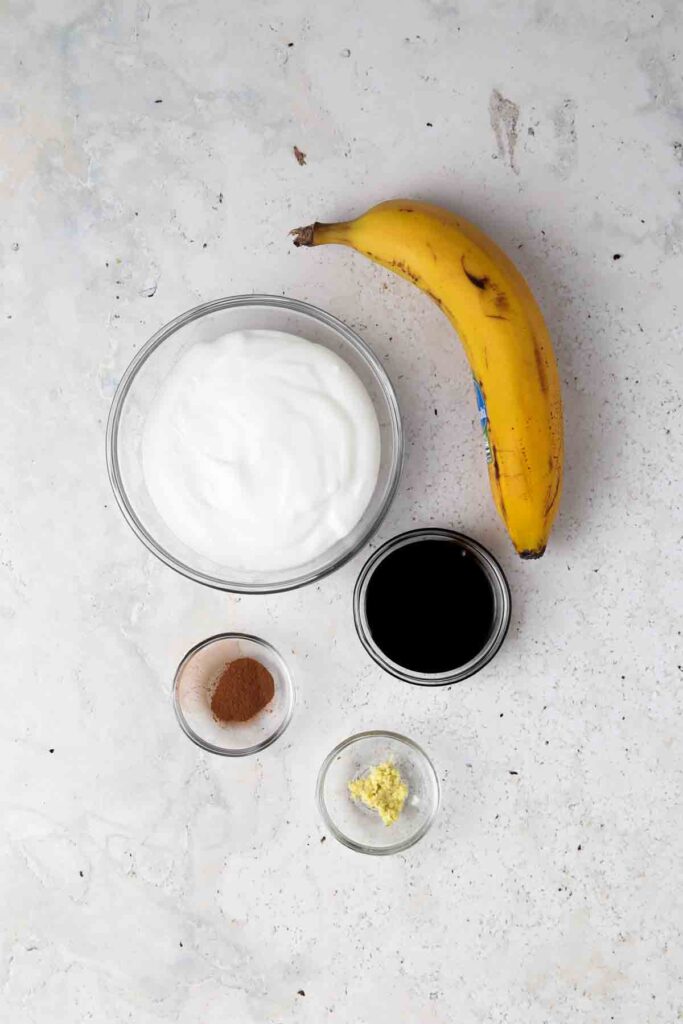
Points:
[(140, 384), (501, 608), (194, 683), (359, 827)]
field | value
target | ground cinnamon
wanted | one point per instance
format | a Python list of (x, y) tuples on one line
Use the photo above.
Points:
[(244, 689)]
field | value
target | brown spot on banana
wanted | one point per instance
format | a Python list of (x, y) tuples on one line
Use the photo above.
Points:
[(493, 295), (498, 492), (434, 297), (550, 501), (501, 301), (403, 267), (540, 367), (478, 282)]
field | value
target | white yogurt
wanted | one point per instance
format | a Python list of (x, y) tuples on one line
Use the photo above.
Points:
[(261, 450)]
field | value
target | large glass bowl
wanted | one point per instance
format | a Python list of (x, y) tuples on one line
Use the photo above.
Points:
[(141, 382)]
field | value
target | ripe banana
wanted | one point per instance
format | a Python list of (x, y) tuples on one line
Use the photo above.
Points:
[(505, 339)]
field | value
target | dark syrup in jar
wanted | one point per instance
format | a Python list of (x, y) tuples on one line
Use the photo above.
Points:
[(430, 606)]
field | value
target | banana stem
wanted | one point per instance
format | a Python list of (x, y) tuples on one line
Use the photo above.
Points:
[(319, 234)]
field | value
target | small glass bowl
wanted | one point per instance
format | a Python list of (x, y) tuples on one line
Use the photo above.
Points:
[(359, 827), (145, 375), (194, 683), (501, 608)]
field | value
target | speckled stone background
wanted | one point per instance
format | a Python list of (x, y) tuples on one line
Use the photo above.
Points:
[(148, 165)]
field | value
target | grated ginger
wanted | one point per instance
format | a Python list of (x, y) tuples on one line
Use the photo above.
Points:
[(383, 790)]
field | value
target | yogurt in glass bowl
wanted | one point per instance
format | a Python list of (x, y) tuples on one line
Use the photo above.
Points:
[(254, 444)]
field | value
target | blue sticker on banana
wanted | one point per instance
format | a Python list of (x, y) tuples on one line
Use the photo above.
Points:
[(483, 419)]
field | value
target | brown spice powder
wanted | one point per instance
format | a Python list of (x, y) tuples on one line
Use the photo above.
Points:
[(244, 689)]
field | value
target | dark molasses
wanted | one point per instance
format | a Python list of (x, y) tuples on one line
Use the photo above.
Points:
[(430, 606)]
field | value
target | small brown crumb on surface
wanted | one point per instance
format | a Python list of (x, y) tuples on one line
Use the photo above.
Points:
[(300, 156)]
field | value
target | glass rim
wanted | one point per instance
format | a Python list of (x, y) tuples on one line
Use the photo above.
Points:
[(502, 601), (141, 357), (340, 836), (213, 748)]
